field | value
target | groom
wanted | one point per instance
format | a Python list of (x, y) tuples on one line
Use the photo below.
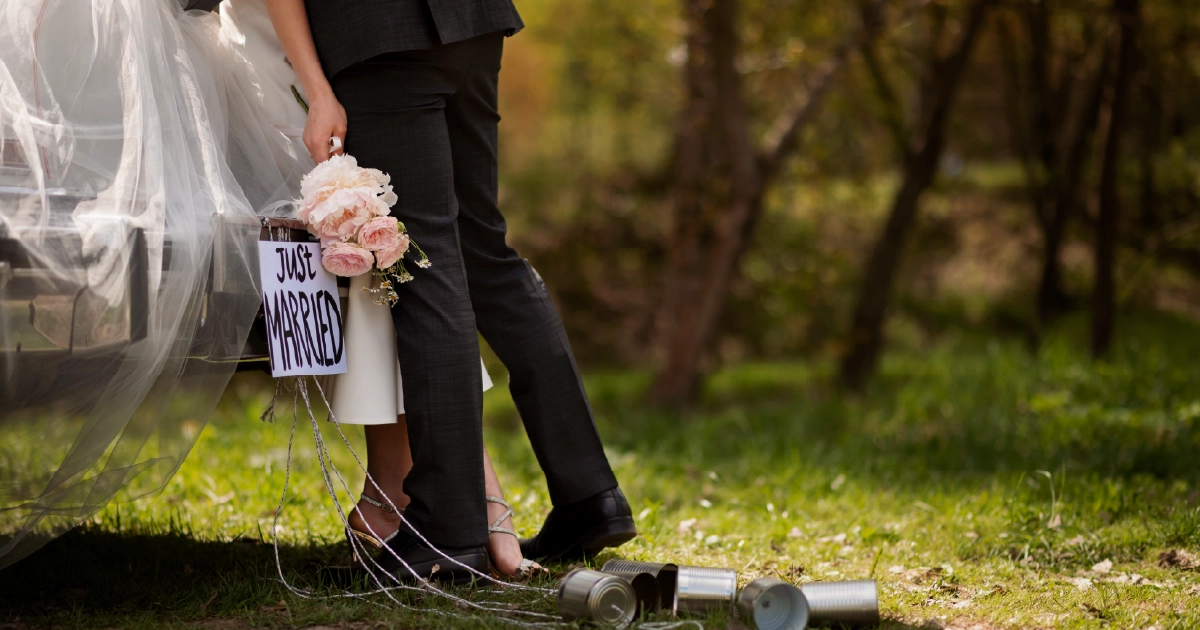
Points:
[(418, 81)]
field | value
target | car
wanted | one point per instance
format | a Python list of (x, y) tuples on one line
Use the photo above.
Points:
[(57, 332)]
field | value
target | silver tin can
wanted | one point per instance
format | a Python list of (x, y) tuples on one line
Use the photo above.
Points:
[(854, 603), (773, 605), (664, 575), (645, 589), (600, 597), (701, 589)]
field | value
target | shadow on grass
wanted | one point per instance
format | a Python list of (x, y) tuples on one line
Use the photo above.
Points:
[(92, 578), (96, 574)]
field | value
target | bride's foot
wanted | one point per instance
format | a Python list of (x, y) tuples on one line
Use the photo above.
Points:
[(503, 546), (373, 522)]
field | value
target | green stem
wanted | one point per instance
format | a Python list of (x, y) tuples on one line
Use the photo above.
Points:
[(299, 99)]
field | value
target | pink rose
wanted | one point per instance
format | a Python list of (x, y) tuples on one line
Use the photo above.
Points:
[(379, 234), (388, 257), (341, 213), (344, 259)]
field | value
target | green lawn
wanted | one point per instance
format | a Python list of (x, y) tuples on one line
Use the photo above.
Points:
[(984, 487)]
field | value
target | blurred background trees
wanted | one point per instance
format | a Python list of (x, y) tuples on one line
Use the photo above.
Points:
[(712, 181)]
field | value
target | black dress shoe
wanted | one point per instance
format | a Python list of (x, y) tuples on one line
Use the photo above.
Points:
[(581, 529), (424, 562)]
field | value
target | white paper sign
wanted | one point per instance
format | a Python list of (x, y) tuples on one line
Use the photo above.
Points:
[(302, 309)]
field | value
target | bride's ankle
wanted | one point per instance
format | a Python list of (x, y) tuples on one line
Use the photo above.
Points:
[(382, 517), (383, 503)]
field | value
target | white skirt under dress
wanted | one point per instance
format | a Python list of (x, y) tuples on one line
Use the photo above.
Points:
[(371, 391)]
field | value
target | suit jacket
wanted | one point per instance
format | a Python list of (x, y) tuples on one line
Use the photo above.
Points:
[(349, 31)]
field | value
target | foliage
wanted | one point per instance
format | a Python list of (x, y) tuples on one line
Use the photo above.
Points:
[(591, 92)]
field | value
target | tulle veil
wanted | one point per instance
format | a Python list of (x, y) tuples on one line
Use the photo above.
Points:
[(135, 156)]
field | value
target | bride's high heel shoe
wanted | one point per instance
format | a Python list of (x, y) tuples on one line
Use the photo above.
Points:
[(372, 542), (527, 567)]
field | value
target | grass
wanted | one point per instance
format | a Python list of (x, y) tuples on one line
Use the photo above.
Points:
[(984, 487)]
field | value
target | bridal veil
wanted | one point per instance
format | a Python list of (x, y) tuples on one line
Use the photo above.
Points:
[(134, 161)]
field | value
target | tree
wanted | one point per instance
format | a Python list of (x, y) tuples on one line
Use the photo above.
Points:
[(1053, 113), (919, 147), (722, 175), (1128, 16)]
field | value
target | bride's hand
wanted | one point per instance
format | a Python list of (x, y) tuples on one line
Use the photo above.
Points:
[(326, 119)]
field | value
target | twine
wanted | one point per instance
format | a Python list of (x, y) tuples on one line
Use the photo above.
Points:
[(384, 582)]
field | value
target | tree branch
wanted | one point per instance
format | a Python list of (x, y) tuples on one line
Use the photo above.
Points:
[(893, 108), (784, 134)]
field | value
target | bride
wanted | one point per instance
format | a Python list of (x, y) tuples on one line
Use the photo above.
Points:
[(370, 336), (176, 126)]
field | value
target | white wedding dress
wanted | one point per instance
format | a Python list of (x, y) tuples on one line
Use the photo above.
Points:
[(137, 143), (371, 391)]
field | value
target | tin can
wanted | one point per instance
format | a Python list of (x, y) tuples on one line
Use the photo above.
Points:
[(773, 605), (600, 597), (645, 590), (664, 575), (854, 603), (701, 589)]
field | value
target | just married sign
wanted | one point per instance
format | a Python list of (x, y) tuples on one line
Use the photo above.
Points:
[(302, 310)]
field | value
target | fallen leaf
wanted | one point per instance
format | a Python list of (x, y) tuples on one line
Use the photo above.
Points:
[(1179, 559), (1076, 541), (1083, 584), (1103, 567), (685, 526), (921, 574), (795, 532)]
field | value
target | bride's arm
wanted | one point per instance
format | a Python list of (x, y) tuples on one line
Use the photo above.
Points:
[(326, 118)]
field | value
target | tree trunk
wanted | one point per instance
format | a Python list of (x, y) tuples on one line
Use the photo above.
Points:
[(1048, 117), (733, 185), (694, 185), (866, 331), (1035, 134), (1128, 13), (723, 180), (1052, 299)]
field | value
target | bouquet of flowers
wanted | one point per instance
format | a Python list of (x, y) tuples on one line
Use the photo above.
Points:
[(347, 207)]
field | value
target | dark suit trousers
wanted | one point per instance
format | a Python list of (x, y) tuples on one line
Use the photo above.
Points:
[(428, 118)]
